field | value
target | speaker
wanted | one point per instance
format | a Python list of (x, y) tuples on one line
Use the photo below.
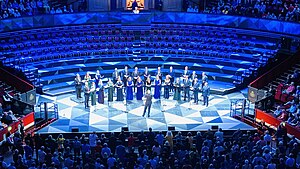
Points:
[(75, 130), (171, 128), (124, 129), (214, 127)]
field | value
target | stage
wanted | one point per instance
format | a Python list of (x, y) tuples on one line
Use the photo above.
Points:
[(184, 116)]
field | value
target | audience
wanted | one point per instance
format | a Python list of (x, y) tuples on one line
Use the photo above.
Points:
[(286, 10), (18, 8), (208, 149)]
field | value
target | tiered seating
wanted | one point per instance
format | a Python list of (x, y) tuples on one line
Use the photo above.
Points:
[(59, 53)]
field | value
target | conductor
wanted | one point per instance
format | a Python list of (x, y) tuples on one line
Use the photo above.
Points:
[(148, 101)]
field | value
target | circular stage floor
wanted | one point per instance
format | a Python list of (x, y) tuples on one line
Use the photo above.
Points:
[(184, 116)]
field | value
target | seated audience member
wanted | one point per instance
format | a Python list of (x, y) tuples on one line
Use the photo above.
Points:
[(277, 112), (290, 89), (5, 15), (293, 106), (283, 116), (6, 119), (190, 9), (297, 92), (196, 9), (71, 8), (65, 10), (17, 14), (46, 6), (52, 11), (40, 6), (58, 10)]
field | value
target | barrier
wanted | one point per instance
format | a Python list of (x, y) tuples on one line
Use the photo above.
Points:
[(271, 120), (28, 122)]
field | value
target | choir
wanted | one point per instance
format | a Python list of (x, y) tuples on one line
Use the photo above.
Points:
[(130, 83)]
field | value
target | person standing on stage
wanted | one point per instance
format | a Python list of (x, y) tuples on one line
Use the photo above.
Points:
[(157, 85), (119, 85), (98, 76), (146, 75), (148, 84), (129, 91), (115, 76), (125, 75), (110, 86), (172, 77), (195, 88), (205, 93), (204, 79), (186, 88), (177, 90), (139, 93), (78, 86), (135, 75), (148, 102), (86, 95), (100, 90), (88, 78), (193, 77), (158, 73), (167, 86), (186, 72), (93, 93)]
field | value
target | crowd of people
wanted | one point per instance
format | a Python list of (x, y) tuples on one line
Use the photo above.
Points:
[(155, 150), (18, 8), (285, 10), (127, 84), (290, 110)]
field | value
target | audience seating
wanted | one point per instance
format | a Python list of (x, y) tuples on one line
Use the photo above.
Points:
[(224, 53)]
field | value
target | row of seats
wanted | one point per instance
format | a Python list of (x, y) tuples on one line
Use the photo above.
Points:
[(86, 50)]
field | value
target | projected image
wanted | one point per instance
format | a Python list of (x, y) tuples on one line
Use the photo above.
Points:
[(131, 3)]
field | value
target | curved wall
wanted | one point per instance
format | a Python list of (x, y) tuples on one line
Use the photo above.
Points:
[(281, 27)]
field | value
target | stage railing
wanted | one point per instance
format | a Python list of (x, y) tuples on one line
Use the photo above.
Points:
[(28, 92), (254, 89), (269, 76), (125, 18), (274, 122)]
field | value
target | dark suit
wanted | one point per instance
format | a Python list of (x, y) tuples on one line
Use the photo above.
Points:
[(186, 73), (135, 75), (205, 94), (186, 89), (172, 74), (159, 74), (125, 75), (78, 87), (148, 103), (193, 78), (86, 96), (204, 79), (115, 76), (196, 87)]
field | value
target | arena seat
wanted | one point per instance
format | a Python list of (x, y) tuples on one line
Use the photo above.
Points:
[(224, 53)]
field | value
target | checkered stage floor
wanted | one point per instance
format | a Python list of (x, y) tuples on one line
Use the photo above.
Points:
[(164, 113)]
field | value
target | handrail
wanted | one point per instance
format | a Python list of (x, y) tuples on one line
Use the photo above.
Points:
[(271, 120), (14, 81), (269, 76)]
